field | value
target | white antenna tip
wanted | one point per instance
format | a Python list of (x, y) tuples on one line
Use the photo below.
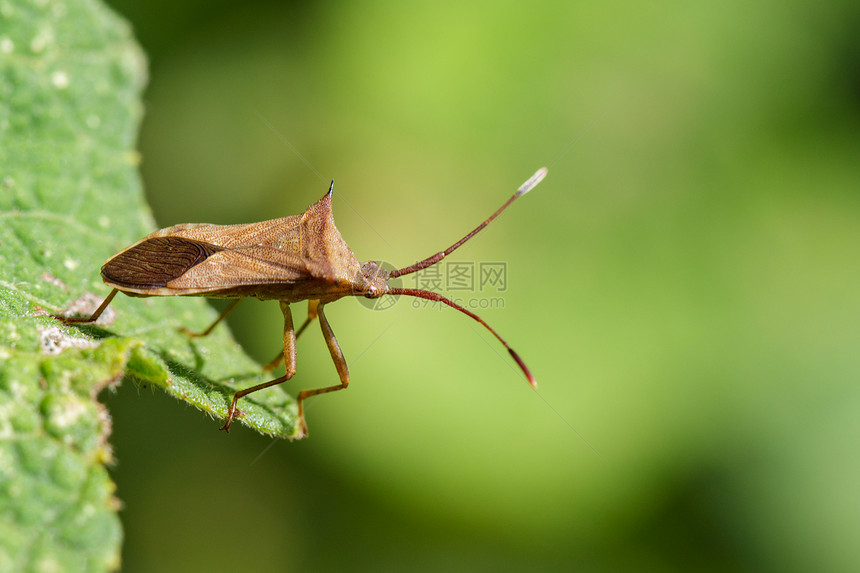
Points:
[(532, 181)]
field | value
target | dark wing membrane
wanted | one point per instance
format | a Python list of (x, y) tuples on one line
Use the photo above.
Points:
[(154, 262)]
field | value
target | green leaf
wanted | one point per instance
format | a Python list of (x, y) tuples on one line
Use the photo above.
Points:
[(70, 196)]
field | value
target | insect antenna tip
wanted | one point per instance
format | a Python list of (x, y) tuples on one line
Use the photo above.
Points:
[(523, 367), (532, 181)]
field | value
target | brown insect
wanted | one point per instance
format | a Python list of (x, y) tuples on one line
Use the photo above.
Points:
[(302, 257)]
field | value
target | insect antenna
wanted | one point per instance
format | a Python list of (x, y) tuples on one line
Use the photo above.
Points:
[(529, 184), (430, 295)]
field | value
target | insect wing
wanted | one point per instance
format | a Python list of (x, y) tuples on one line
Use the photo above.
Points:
[(199, 258), (246, 266), (154, 262)]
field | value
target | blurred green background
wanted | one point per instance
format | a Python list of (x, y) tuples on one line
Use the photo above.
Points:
[(684, 285)]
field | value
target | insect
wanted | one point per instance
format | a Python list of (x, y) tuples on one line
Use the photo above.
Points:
[(301, 257)]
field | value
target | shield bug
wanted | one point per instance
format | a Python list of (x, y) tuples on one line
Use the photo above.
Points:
[(301, 257)]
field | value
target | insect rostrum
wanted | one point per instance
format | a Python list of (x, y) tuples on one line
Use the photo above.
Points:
[(301, 257)]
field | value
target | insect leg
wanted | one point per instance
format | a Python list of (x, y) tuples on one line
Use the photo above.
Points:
[(218, 320), (339, 363), (93, 317), (312, 314), (289, 355)]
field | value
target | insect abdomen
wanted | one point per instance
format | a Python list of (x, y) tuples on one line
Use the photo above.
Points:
[(154, 262)]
